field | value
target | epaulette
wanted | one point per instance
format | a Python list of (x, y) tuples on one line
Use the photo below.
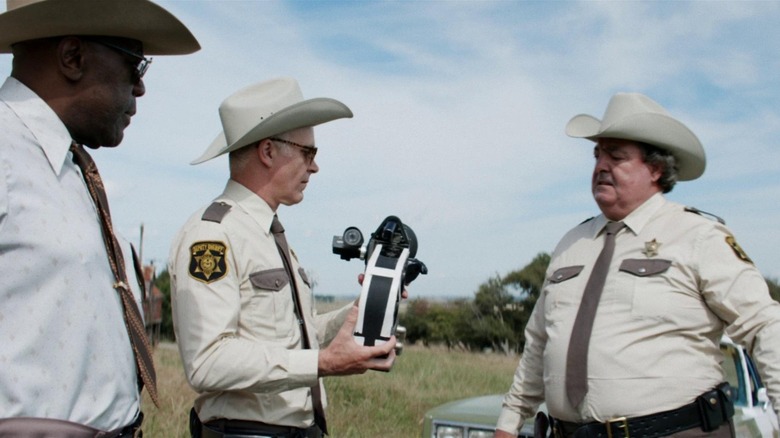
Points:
[(216, 212), (587, 220), (704, 213)]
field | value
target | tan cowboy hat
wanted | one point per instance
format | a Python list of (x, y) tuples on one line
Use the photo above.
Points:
[(266, 109), (160, 32), (633, 116)]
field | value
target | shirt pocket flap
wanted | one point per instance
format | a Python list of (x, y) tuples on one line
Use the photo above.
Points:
[(563, 274), (272, 279), (645, 268)]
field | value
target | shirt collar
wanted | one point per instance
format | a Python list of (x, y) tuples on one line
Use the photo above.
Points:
[(637, 219), (251, 203), (43, 123)]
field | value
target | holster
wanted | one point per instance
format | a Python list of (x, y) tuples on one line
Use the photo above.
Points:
[(541, 424)]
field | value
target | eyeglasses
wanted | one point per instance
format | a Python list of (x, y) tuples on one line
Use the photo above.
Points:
[(143, 62), (309, 152)]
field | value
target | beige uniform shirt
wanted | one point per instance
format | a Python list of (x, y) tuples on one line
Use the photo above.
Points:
[(676, 281), (234, 317)]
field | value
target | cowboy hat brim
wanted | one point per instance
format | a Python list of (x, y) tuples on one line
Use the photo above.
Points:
[(310, 112), (655, 129), (160, 32)]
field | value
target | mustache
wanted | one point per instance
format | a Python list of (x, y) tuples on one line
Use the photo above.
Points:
[(603, 178)]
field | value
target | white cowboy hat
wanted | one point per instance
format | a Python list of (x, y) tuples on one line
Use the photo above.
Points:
[(266, 109), (160, 32), (633, 116)]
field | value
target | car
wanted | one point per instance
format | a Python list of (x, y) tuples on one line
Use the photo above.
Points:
[(476, 417)]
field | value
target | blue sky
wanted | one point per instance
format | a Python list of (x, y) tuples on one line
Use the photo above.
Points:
[(460, 108)]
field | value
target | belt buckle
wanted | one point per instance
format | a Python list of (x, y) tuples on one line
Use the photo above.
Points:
[(624, 426)]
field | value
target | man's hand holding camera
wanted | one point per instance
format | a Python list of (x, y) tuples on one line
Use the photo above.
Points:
[(344, 356)]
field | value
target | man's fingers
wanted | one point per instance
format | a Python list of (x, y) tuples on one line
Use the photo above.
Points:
[(351, 320), (383, 364)]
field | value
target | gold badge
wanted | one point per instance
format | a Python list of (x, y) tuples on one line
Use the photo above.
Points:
[(651, 248), (738, 249), (207, 261)]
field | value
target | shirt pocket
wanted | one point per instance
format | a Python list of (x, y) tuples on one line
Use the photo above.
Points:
[(270, 308), (562, 291), (651, 297)]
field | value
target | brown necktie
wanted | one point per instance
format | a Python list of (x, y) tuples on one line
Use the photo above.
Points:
[(135, 326), (577, 357), (281, 242)]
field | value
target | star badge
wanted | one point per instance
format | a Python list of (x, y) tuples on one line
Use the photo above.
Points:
[(651, 248)]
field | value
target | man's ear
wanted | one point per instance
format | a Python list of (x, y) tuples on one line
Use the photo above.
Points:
[(70, 58), (266, 152), (656, 171)]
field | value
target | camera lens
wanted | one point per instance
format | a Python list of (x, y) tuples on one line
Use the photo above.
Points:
[(353, 236)]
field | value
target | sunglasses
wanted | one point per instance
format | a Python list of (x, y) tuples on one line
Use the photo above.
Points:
[(309, 152), (139, 68)]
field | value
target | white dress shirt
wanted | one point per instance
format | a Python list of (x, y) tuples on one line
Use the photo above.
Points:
[(64, 350)]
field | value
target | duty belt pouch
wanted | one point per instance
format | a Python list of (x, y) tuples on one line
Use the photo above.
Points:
[(196, 427), (715, 407)]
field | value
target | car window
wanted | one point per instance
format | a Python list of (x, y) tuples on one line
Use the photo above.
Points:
[(732, 367)]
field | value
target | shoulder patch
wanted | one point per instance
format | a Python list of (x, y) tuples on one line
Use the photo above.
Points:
[(587, 220), (704, 213), (738, 249), (216, 212), (207, 261)]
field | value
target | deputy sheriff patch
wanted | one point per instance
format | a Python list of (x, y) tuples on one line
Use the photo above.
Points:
[(207, 261), (738, 249)]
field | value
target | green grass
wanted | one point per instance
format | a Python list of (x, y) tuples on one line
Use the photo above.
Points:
[(373, 404)]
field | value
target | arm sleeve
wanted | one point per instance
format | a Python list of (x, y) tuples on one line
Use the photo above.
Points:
[(527, 390), (329, 323), (736, 291)]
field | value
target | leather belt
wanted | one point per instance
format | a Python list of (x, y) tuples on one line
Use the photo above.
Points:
[(31, 427), (260, 430), (649, 426), (708, 412), (224, 428)]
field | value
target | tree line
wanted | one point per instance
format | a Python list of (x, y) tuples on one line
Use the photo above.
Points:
[(493, 320)]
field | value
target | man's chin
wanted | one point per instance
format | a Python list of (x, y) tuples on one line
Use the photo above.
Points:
[(104, 143)]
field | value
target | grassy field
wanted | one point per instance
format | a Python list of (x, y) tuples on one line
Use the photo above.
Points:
[(370, 405)]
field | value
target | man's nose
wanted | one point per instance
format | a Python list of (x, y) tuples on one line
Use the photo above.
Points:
[(139, 89)]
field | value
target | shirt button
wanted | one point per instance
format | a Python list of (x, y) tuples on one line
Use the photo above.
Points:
[(642, 270), (277, 282)]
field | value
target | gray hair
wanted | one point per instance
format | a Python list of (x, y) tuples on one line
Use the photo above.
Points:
[(665, 161), (239, 158)]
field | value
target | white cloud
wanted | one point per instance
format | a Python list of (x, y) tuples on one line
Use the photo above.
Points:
[(459, 115)]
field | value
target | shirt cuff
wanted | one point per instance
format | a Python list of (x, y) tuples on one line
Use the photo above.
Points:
[(303, 366), (509, 421)]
